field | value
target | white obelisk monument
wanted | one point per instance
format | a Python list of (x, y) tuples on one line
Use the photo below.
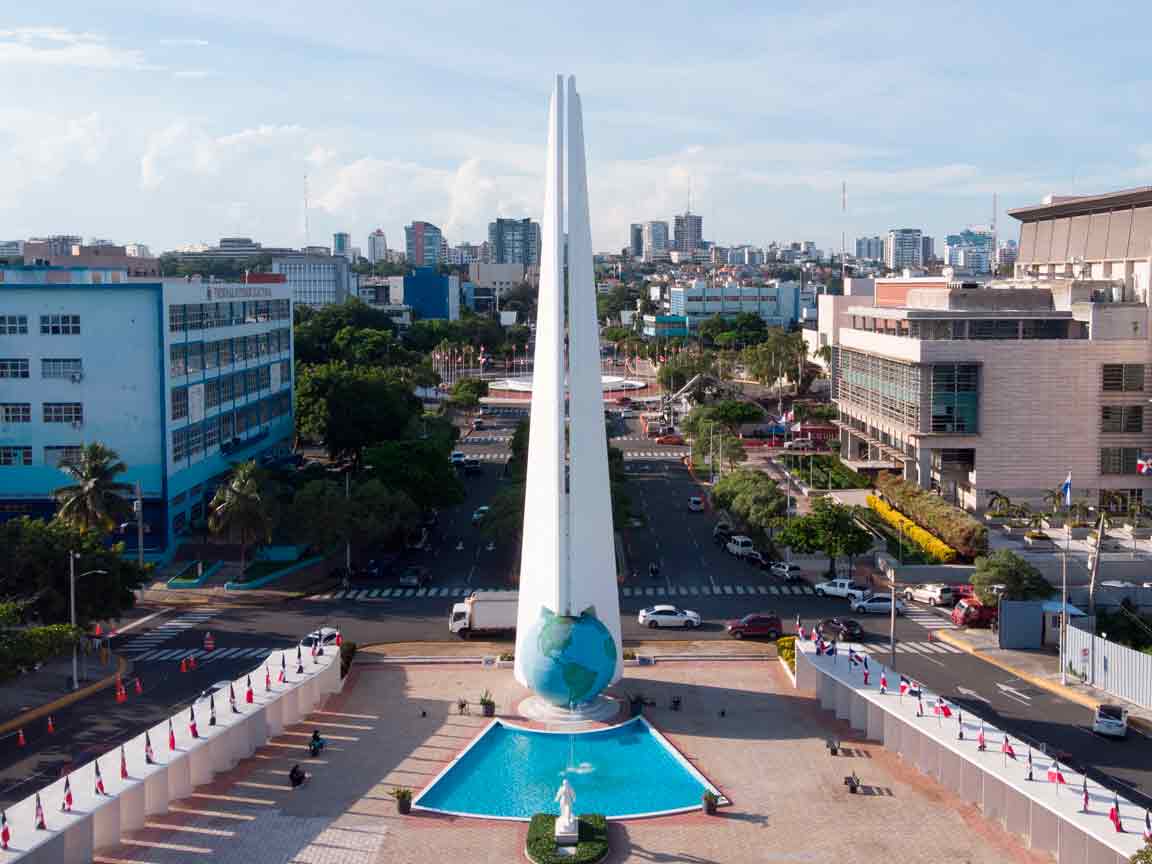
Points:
[(568, 561)]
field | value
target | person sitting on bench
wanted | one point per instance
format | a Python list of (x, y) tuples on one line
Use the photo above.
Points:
[(296, 776)]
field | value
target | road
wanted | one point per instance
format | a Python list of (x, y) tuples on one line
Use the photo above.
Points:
[(694, 572)]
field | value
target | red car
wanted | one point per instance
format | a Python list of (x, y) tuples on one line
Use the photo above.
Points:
[(670, 439), (761, 624)]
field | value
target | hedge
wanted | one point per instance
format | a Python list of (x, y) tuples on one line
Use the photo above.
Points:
[(786, 651), (23, 649), (955, 527), (592, 844), (931, 545)]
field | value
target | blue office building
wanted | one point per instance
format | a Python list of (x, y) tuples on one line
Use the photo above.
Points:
[(432, 294), (183, 378)]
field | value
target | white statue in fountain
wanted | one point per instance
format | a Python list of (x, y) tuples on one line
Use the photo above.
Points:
[(567, 831)]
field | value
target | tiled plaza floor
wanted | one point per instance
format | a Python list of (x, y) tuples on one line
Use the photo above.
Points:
[(397, 726)]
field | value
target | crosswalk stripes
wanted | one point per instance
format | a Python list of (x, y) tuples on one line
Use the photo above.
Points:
[(368, 595), (655, 454), (202, 656), (928, 620), (914, 648), (714, 591), (161, 634)]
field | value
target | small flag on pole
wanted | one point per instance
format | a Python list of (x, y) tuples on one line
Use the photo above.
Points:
[(1148, 825), (960, 725), (1030, 763), (123, 763), (1114, 815), (192, 730), (1084, 786), (883, 682), (981, 745), (942, 708), (232, 699), (66, 804), (866, 672), (149, 756), (283, 667), (1055, 775), (99, 779), (171, 735), (5, 834), (853, 657), (1006, 749), (1066, 489), (267, 678), (299, 661), (211, 709), (40, 824), (248, 695)]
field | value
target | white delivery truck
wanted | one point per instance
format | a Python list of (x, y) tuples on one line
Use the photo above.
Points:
[(484, 612)]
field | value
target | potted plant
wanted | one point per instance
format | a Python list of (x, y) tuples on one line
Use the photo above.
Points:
[(487, 704), (636, 704), (709, 802), (403, 796)]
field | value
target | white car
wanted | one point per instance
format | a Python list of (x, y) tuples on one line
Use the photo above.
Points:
[(800, 444), (479, 513), (789, 572), (666, 615), (933, 593), (1111, 721), (457, 457), (325, 636), (876, 603), (696, 504)]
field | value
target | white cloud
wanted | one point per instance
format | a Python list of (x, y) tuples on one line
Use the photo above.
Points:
[(181, 147), (53, 46), (185, 42)]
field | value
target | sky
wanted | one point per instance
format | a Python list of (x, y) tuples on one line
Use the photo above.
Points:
[(171, 123)]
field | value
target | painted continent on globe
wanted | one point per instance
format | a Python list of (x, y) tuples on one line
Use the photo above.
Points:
[(574, 657)]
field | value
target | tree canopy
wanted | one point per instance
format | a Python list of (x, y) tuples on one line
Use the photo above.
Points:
[(1020, 579), (95, 500), (829, 528), (753, 497)]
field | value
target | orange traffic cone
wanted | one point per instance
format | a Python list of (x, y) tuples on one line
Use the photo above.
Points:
[(51, 726), (20, 738), (183, 665), (192, 662), (139, 687)]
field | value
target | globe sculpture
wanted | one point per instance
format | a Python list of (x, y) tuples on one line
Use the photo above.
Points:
[(573, 657)]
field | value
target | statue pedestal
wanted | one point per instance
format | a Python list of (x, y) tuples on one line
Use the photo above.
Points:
[(567, 833), (602, 709)]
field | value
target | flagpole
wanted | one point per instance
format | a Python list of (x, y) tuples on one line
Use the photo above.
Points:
[(1064, 587)]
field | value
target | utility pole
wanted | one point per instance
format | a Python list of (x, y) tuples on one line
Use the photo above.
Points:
[(348, 539), (1094, 569), (138, 506), (72, 556)]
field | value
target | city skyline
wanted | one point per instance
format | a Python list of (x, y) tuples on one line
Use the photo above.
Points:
[(182, 126)]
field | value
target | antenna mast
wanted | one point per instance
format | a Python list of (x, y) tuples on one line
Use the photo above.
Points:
[(306, 239), (995, 238), (843, 237)]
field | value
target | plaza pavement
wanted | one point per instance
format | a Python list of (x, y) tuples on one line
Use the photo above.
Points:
[(396, 725)]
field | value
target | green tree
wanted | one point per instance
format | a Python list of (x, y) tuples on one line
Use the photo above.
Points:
[(680, 368), (95, 500), (730, 414), (1142, 856), (1020, 579), (829, 528), (753, 497), (419, 469), (315, 330), (242, 508), (505, 520), (352, 408), (467, 392)]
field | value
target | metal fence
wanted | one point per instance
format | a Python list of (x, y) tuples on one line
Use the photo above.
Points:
[(1110, 667)]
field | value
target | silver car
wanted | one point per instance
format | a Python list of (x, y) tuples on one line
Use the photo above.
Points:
[(666, 615), (1111, 721)]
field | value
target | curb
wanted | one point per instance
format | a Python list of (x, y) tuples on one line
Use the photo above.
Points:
[(66, 700), (1140, 723)]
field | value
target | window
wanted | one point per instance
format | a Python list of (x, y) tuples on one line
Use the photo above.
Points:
[(13, 368), (59, 325), (212, 393), (177, 317), (178, 360), (15, 456), (63, 412), (54, 368), (13, 325), (211, 432), (53, 456), (1122, 377), (226, 426), (955, 398), (227, 390), (179, 403), (225, 353), (195, 356), (179, 445), (210, 354), (15, 412), (195, 439), (1118, 460), (1122, 418)]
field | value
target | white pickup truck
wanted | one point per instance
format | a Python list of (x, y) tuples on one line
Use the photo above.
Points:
[(740, 546), (842, 588)]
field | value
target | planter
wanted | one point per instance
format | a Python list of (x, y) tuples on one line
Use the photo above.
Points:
[(488, 709), (1038, 542), (709, 803), (1138, 532), (403, 806)]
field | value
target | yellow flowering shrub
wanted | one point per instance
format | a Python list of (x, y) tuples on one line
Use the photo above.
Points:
[(929, 543)]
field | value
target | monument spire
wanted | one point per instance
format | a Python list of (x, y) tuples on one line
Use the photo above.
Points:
[(568, 561)]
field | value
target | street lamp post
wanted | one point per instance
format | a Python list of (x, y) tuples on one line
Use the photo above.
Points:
[(72, 577)]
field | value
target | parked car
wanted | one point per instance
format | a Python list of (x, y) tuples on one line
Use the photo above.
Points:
[(788, 571), (759, 624), (970, 612), (800, 444), (325, 636), (473, 466), (740, 545), (932, 593), (841, 629), (665, 615), (415, 576), (877, 603), (757, 559), (1111, 721), (696, 504), (479, 513), (626, 414), (457, 458), (670, 439), (842, 588), (477, 424)]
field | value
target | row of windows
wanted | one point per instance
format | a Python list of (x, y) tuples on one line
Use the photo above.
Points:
[(1122, 418), (884, 387), (205, 316), (50, 325), (198, 356), (15, 456), (53, 412), (1119, 460), (226, 388), (18, 367), (198, 437), (1122, 377)]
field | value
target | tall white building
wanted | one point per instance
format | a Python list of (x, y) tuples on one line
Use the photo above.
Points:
[(688, 232), (377, 246), (904, 247), (655, 241), (870, 248)]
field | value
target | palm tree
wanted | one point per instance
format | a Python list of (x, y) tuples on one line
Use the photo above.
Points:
[(242, 507), (95, 500), (1054, 498), (998, 502)]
